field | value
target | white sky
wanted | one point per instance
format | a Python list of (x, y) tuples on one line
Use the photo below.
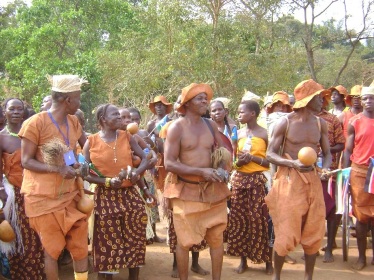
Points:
[(336, 11)]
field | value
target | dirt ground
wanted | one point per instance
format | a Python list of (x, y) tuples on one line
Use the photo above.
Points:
[(159, 262)]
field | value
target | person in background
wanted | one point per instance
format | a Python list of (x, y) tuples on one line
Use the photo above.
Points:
[(337, 98), (247, 230), (353, 100), (358, 152), (46, 103), (26, 254), (336, 140)]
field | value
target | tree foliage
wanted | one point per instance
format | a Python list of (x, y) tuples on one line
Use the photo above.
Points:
[(131, 51)]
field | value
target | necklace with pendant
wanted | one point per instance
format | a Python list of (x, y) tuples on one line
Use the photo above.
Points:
[(11, 133), (113, 148)]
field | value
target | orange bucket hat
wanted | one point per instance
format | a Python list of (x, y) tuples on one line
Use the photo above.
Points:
[(279, 96), (162, 99), (342, 90), (355, 92), (191, 91), (305, 91)]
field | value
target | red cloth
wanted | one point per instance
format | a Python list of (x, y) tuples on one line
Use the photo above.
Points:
[(364, 139)]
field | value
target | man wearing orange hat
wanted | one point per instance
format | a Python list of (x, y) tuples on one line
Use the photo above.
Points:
[(336, 140), (197, 191), (50, 191), (353, 100), (358, 153), (295, 201), (337, 98), (160, 109)]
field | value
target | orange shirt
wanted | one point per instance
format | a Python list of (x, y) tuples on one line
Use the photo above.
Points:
[(12, 168), (347, 117), (364, 139), (102, 156), (47, 192)]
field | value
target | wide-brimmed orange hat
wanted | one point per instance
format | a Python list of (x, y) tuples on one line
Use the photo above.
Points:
[(305, 91), (191, 91), (162, 99), (355, 92), (327, 96), (342, 90), (279, 96)]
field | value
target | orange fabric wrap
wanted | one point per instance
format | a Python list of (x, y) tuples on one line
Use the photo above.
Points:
[(12, 168), (47, 192), (362, 202), (209, 192), (297, 210), (102, 156)]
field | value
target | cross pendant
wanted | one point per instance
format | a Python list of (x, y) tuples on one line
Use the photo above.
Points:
[(115, 160)]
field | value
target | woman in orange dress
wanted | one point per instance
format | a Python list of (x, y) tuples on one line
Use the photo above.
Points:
[(119, 238), (26, 261)]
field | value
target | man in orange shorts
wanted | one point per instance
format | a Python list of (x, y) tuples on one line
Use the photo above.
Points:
[(51, 191), (358, 151), (197, 192), (295, 201)]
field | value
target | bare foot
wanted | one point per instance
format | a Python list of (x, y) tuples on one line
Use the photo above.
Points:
[(241, 268), (157, 239), (334, 246), (359, 265), (289, 260), (174, 272), (269, 268), (328, 257), (199, 270)]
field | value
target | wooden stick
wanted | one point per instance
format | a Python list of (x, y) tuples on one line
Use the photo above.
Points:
[(305, 180)]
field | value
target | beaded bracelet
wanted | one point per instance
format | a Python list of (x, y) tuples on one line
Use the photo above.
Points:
[(107, 182)]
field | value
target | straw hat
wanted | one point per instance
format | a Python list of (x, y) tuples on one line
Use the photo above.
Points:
[(305, 91), (367, 91), (279, 96), (355, 92), (66, 83), (162, 99), (224, 100), (248, 95), (191, 91)]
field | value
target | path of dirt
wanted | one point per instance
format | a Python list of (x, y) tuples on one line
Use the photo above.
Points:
[(159, 261)]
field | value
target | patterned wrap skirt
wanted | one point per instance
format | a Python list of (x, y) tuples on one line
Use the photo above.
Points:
[(119, 238), (28, 265), (247, 231)]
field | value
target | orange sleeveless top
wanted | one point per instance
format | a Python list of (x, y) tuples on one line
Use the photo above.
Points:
[(364, 139), (347, 117), (12, 168), (102, 156)]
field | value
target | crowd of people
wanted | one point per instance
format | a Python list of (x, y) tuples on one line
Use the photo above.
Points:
[(215, 180)]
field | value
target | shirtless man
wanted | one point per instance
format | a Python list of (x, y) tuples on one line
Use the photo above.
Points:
[(295, 201), (197, 194)]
